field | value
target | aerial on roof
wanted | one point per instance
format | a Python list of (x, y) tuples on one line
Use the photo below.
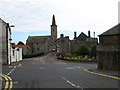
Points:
[(112, 31)]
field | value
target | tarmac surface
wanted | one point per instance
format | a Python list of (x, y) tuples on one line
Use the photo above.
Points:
[(48, 72)]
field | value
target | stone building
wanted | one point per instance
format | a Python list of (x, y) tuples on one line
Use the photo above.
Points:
[(83, 39), (44, 43), (108, 51), (5, 43), (6, 51), (63, 44)]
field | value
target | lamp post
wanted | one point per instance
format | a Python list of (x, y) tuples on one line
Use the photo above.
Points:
[(10, 44), (94, 46)]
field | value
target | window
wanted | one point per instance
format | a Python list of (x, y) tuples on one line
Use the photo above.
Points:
[(53, 30), (13, 52), (38, 49)]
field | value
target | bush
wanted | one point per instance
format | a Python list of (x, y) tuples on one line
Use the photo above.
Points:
[(93, 50), (82, 50), (59, 54), (33, 55), (82, 59), (69, 55)]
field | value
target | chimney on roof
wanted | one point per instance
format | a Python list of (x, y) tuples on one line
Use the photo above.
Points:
[(75, 35), (89, 34), (61, 35), (67, 37)]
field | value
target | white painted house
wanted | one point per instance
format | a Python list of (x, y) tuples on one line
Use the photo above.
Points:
[(6, 50), (16, 54)]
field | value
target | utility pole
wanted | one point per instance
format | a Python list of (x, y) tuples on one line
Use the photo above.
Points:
[(94, 37)]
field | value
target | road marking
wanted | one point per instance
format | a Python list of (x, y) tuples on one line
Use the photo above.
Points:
[(102, 74), (8, 82), (15, 82), (71, 83), (70, 68), (10, 66), (11, 70), (42, 67), (20, 65)]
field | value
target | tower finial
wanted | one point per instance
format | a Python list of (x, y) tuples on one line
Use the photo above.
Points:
[(53, 20)]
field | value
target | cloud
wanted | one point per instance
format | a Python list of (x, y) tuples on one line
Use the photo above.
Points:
[(72, 15)]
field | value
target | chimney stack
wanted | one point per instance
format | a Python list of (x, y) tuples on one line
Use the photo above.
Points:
[(75, 35), (89, 34), (61, 35)]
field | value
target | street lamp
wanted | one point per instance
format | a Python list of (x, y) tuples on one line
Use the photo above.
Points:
[(10, 42)]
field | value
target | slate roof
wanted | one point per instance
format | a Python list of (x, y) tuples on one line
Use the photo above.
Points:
[(112, 31), (40, 39)]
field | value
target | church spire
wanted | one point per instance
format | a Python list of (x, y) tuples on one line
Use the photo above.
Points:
[(53, 21)]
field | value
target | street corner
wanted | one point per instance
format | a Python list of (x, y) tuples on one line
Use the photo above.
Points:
[(109, 75), (6, 82), (12, 64)]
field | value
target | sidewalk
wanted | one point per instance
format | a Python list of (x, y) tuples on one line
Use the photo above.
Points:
[(106, 72)]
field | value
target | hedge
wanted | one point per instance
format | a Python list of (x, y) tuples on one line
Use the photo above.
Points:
[(33, 55)]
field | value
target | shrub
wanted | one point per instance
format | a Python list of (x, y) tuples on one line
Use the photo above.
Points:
[(93, 50), (69, 55), (59, 54), (82, 50), (33, 55)]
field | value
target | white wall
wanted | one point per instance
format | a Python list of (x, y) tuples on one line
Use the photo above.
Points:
[(16, 55), (9, 47)]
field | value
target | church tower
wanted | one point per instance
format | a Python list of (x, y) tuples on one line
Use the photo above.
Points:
[(53, 28)]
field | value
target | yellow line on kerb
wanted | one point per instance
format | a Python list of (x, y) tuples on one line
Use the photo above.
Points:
[(8, 82), (102, 74)]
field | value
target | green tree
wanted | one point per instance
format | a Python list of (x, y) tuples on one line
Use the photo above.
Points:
[(93, 50), (82, 50), (20, 43)]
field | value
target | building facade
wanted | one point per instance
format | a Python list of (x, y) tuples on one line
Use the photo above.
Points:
[(83, 39), (6, 40), (6, 49), (44, 43), (108, 51), (65, 45)]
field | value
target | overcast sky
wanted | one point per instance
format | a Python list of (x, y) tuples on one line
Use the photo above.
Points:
[(34, 17)]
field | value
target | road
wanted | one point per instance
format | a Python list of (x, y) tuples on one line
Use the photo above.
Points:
[(49, 72)]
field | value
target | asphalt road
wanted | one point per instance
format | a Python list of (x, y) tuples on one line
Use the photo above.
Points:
[(49, 72)]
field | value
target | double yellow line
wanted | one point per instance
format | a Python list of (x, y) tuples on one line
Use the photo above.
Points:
[(8, 82)]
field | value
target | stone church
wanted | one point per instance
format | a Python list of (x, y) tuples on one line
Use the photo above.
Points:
[(44, 43), (63, 44)]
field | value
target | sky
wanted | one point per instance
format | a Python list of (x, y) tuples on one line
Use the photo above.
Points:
[(34, 17)]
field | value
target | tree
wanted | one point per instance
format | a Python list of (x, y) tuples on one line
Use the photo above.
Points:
[(20, 43), (82, 50), (93, 50)]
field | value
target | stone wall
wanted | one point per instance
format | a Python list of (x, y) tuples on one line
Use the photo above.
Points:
[(111, 39), (108, 60), (4, 42)]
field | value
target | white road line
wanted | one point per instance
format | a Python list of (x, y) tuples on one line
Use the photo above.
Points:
[(71, 83), (1, 78), (11, 70)]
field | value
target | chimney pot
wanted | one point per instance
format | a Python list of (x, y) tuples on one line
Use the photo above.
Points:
[(89, 34)]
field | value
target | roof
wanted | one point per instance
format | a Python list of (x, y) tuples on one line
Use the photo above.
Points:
[(112, 31), (22, 46), (53, 21), (38, 38), (82, 34)]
